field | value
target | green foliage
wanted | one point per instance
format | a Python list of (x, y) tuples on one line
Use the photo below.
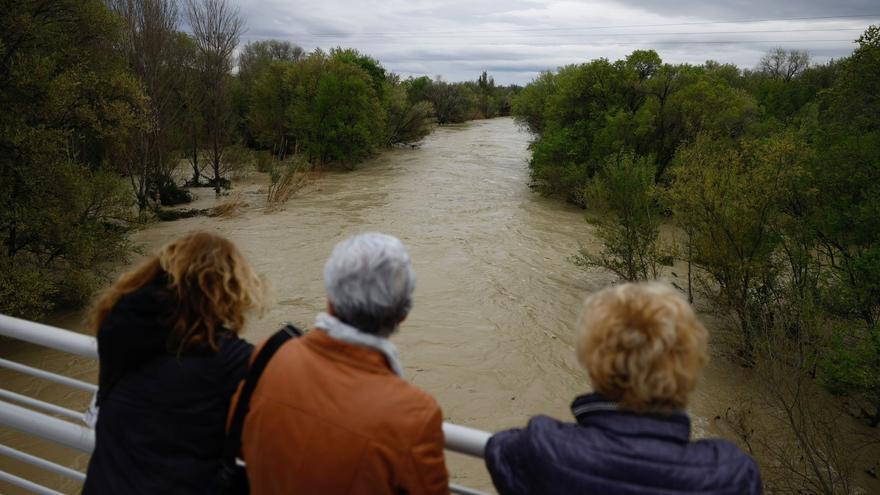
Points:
[(346, 108), (583, 113), (624, 197), (845, 217), (528, 106), (25, 289), (407, 121), (453, 103), (68, 104), (263, 161), (369, 65), (169, 193), (726, 196), (342, 107), (258, 56), (849, 367), (270, 97)]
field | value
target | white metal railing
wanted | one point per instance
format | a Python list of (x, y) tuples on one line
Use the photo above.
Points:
[(48, 336), (459, 438)]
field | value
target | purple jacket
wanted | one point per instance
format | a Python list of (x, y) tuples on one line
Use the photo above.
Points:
[(614, 452)]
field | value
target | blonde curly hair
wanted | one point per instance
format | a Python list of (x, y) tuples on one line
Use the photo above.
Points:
[(642, 345), (212, 287)]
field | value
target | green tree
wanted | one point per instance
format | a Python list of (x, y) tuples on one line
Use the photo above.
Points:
[(335, 115), (726, 196), (529, 106), (846, 219), (349, 116), (270, 97), (406, 121), (453, 102), (576, 138), (418, 89), (486, 92), (623, 197), (370, 66), (258, 56), (68, 105)]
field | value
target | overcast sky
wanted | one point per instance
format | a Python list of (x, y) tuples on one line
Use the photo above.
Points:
[(516, 39)]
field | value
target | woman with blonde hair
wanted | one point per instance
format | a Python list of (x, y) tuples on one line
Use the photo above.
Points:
[(170, 360), (644, 349)]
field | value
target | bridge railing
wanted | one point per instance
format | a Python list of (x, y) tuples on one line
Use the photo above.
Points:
[(44, 420)]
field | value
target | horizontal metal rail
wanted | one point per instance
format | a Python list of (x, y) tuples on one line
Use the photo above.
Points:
[(463, 490), (26, 484), (46, 336), (39, 404), (43, 463), (48, 427), (465, 440), (47, 375)]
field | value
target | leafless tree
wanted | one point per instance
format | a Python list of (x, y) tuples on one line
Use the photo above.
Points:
[(147, 42), (256, 55), (801, 436), (784, 64), (216, 26)]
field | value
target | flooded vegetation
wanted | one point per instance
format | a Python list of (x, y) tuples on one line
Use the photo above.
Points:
[(769, 176)]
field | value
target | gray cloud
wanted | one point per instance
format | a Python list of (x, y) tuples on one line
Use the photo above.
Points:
[(756, 9), (516, 39)]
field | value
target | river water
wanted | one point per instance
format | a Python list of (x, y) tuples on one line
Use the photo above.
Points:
[(490, 334)]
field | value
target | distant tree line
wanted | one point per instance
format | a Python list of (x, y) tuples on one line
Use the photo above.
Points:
[(104, 100), (772, 178)]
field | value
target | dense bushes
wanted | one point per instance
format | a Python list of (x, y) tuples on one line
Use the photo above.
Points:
[(339, 108), (67, 103), (584, 113), (624, 196), (770, 175)]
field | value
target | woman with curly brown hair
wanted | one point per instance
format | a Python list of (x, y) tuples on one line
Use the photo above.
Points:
[(170, 360), (644, 350)]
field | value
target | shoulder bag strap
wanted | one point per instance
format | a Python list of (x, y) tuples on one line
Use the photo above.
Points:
[(232, 445)]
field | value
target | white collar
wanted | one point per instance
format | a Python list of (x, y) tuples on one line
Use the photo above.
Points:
[(341, 331)]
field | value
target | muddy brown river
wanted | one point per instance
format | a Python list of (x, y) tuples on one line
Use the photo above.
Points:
[(490, 334)]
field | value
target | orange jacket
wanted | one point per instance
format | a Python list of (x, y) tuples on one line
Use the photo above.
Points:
[(330, 417)]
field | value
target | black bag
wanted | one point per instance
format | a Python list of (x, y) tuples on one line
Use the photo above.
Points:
[(232, 478)]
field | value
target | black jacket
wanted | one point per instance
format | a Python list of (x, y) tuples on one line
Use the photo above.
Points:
[(162, 414)]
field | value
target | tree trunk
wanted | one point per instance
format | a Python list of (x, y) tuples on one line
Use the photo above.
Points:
[(195, 160), (690, 271), (216, 164)]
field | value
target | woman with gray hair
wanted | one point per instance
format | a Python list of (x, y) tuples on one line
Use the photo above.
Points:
[(332, 413)]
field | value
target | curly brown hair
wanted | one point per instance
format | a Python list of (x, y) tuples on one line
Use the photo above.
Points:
[(212, 287), (642, 346)]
